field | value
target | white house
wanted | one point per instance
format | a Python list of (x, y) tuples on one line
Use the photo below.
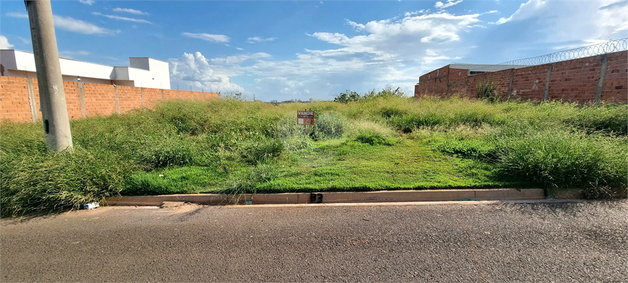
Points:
[(141, 72)]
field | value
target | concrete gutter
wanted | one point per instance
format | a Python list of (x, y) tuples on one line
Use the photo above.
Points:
[(333, 197)]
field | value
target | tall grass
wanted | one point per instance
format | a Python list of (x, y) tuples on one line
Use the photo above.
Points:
[(237, 145)]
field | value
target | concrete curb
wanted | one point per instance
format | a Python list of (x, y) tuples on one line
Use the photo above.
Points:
[(333, 197)]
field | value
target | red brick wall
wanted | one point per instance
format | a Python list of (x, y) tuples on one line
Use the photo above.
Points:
[(14, 103), (99, 98), (616, 78), (458, 81), (574, 80)]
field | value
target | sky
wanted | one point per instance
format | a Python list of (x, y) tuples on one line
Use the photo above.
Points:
[(282, 50)]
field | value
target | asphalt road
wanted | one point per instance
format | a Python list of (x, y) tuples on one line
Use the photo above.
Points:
[(561, 242)]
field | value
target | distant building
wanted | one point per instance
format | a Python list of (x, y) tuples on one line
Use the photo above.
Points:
[(141, 72)]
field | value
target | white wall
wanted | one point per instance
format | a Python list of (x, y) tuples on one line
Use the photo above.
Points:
[(144, 71), (25, 61), (157, 75)]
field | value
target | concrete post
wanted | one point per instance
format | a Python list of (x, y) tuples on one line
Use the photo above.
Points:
[(115, 91), (82, 99), (600, 81), (547, 82), (163, 96), (142, 92), (512, 77), (54, 109), (31, 99)]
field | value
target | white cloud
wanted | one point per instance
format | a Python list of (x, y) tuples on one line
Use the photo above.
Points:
[(239, 48), (73, 54), (398, 50), (71, 24), (389, 52), (449, 3), (208, 37), (526, 10), (24, 40), (194, 70), (88, 2), (583, 21), (4, 43), (74, 25), (120, 18), (257, 39), (17, 15), (131, 11)]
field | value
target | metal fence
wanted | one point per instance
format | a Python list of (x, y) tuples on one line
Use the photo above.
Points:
[(581, 52)]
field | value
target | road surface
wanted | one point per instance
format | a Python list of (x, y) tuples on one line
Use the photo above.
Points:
[(496, 242)]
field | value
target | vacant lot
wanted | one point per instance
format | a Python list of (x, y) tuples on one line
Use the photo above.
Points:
[(375, 143)]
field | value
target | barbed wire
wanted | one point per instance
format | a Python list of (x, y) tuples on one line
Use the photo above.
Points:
[(580, 52)]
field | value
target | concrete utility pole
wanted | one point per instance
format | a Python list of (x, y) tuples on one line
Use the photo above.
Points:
[(54, 109)]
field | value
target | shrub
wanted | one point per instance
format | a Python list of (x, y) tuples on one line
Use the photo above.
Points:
[(487, 91), (347, 96), (329, 125), (372, 133), (563, 159)]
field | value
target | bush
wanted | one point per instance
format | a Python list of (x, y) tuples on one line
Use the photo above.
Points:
[(372, 133), (487, 91), (563, 159), (386, 92), (329, 125), (347, 96)]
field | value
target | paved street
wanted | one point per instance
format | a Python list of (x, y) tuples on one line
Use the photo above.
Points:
[(498, 242)]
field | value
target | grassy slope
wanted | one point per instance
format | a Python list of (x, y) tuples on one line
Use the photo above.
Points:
[(394, 143)]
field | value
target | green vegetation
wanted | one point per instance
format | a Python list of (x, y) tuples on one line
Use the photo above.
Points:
[(487, 91), (380, 140)]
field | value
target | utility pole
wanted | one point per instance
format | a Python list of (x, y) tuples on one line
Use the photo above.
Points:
[(54, 109)]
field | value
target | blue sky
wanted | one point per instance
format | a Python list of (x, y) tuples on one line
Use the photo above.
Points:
[(316, 49)]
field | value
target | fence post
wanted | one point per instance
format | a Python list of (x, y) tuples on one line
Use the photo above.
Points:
[(31, 99), (600, 81), (115, 91), (82, 99), (142, 91), (163, 97), (547, 81), (512, 77)]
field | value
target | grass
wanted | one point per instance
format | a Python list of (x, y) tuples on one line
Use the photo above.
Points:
[(376, 143)]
